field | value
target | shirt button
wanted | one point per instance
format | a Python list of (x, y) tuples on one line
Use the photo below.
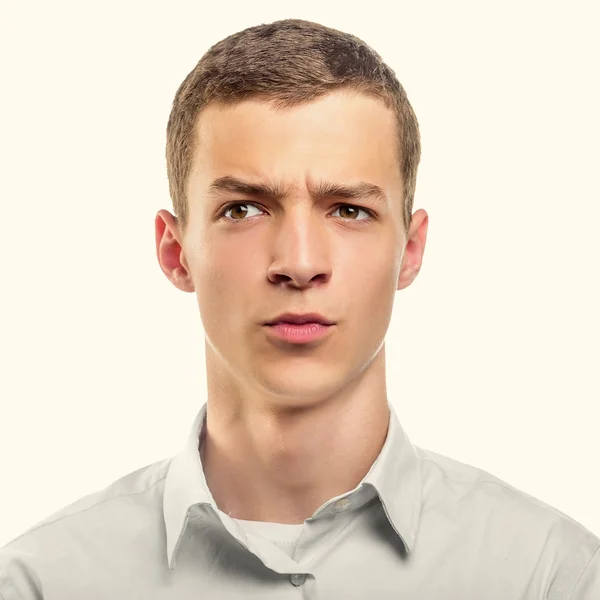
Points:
[(343, 504), (297, 578)]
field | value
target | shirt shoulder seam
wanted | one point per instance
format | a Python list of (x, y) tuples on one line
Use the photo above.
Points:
[(507, 486), (83, 510)]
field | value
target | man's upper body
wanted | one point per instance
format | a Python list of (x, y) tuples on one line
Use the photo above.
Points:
[(292, 154), (418, 525)]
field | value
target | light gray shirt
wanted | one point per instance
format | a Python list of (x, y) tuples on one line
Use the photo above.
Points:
[(419, 525)]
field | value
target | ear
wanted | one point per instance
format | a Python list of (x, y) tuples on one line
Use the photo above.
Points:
[(169, 251), (415, 247)]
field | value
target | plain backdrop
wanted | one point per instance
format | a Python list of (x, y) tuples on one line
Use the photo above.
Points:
[(492, 353)]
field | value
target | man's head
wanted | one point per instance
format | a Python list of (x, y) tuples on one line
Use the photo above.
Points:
[(303, 111)]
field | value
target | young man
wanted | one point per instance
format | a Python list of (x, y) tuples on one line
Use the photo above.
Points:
[(297, 480)]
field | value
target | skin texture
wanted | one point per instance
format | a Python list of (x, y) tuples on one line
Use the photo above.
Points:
[(291, 426)]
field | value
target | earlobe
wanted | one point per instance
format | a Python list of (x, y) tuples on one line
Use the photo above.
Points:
[(407, 276)]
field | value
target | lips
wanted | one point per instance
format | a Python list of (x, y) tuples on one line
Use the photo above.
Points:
[(299, 319), (295, 333)]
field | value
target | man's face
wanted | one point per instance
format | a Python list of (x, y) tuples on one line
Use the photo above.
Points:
[(332, 255)]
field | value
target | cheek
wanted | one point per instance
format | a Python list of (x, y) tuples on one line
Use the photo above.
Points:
[(224, 280), (376, 289), (378, 273), (222, 261)]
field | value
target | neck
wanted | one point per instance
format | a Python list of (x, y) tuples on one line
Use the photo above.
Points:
[(280, 464)]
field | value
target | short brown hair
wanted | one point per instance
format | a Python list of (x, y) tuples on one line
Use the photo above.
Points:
[(287, 62)]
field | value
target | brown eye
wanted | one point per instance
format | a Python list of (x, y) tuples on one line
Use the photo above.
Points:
[(238, 213), (351, 210), (235, 210)]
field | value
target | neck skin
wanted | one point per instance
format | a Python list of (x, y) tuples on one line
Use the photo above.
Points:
[(265, 463)]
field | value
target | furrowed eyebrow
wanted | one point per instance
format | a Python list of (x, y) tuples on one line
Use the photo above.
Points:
[(324, 189)]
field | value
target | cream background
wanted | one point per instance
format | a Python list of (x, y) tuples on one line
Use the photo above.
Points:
[(493, 351)]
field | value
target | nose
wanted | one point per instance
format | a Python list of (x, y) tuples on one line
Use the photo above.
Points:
[(301, 250)]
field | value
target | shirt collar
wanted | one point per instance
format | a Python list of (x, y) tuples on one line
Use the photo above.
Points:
[(395, 476)]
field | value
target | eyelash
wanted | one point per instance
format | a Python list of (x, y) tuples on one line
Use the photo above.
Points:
[(232, 204)]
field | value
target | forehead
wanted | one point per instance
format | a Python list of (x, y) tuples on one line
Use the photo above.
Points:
[(344, 136)]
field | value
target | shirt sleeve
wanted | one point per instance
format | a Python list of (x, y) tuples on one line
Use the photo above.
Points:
[(588, 586)]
